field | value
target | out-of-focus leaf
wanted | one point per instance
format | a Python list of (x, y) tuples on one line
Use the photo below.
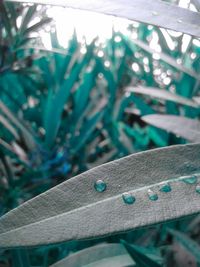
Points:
[(38, 25), (26, 134), (73, 45), (27, 18), (6, 20), (161, 56), (141, 256), (88, 127), (54, 216), (9, 127), (162, 94), (181, 126), (20, 258), (7, 147), (197, 4), (159, 138), (189, 244), (13, 12), (83, 92), (42, 49), (54, 108), (56, 101), (104, 255)]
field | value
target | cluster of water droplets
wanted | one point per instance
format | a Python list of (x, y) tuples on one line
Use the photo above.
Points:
[(192, 180), (155, 13), (129, 198)]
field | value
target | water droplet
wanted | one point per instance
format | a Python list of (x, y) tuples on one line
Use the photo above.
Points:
[(155, 13), (100, 186), (166, 188), (198, 189), (179, 20), (128, 198), (152, 196), (60, 154), (190, 179)]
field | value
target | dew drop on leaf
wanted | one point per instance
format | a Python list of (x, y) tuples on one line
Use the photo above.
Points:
[(198, 189), (152, 196), (166, 188), (128, 198), (100, 186), (190, 179)]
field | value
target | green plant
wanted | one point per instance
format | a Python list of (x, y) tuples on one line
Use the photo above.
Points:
[(70, 111)]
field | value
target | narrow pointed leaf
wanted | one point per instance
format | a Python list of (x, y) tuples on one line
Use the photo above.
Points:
[(13, 18), (6, 146), (54, 108), (162, 56), (56, 102), (155, 12), (100, 255), (20, 258), (181, 126), (37, 26), (162, 94), (26, 134), (190, 245), (9, 127), (5, 20), (141, 257), (27, 18), (88, 128), (43, 49), (74, 210)]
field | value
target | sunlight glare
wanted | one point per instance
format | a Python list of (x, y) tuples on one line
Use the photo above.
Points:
[(88, 25)]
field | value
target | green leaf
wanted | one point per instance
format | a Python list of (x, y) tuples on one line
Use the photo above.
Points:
[(161, 56), (74, 210), (82, 94), (31, 11), (181, 126), (189, 244), (41, 48), (37, 26), (103, 255), (162, 94), (155, 12), (73, 45), (30, 141), (20, 258), (12, 10), (54, 108), (87, 128), (55, 103), (7, 147), (6, 21), (141, 257), (9, 127)]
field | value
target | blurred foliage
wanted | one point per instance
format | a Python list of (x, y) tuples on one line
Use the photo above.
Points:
[(63, 111)]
